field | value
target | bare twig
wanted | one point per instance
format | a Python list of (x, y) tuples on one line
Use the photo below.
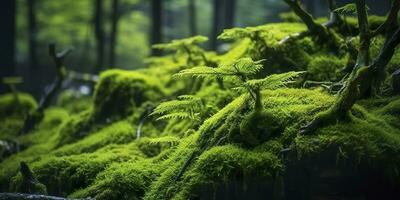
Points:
[(50, 93)]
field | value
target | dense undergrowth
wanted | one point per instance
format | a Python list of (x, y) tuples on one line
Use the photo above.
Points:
[(216, 127)]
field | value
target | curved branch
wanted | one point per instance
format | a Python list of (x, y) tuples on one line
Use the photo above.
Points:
[(365, 40), (50, 93), (308, 20), (392, 18), (359, 82)]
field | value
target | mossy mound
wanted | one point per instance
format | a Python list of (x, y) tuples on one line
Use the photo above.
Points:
[(13, 110), (119, 92), (20, 105)]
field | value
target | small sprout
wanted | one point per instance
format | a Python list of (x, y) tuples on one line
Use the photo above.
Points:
[(242, 70), (348, 9), (12, 81), (187, 46)]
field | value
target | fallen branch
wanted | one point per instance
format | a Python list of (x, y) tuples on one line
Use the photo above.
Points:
[(22, 196), (50, 93)]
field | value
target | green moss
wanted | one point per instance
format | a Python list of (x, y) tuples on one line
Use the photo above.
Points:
[(217, 166), (64, 174), (116, 133), (76, 127), (325, 68), (119, 92), (121, 181), (19, 185), (89, 147), (73, 101), (368, 138), (35, 144), (12, 114), (10, 106)]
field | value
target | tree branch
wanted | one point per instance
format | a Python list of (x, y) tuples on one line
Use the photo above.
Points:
[(308, 20), (50, 93), (358, 83), (365, 40), (391, 18)]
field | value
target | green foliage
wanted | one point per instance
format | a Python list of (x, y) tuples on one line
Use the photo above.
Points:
[(73, 101), (273, 81), (185, 107), (241, 68), (349, 8), (212, 135), (325, 68), (119, 92), (188, 46), (10, 106), (182, 44)]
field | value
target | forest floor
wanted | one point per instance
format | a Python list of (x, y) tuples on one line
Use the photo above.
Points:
[(202, 125)]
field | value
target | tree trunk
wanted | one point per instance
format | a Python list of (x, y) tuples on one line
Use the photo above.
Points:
[(99, 34), (192, 18), (309, 5), (230, 13), (216, 25), (32, 34), (156, 30), (114, 31), (7, 40)]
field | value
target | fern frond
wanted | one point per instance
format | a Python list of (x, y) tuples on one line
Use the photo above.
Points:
[(188, 97), (174, 105), (203, 72), (185, 107), (179, 115), (171, 140), (178, 44), (248, 66), (244, 66), (274, 81), (239, 33), (346, 9)]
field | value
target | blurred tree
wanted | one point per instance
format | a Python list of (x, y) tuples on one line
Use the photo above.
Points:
[(32, 32), (7, 39), (99, 34), (230, 13), (192, 17), (114, 31), (216, 25), (156, 29)]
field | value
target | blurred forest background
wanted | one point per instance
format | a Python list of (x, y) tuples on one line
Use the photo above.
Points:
[(119, 33)]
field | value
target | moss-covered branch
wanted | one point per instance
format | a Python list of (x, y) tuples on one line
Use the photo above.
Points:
[(365, 39), (21, 196), (358, 84)]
